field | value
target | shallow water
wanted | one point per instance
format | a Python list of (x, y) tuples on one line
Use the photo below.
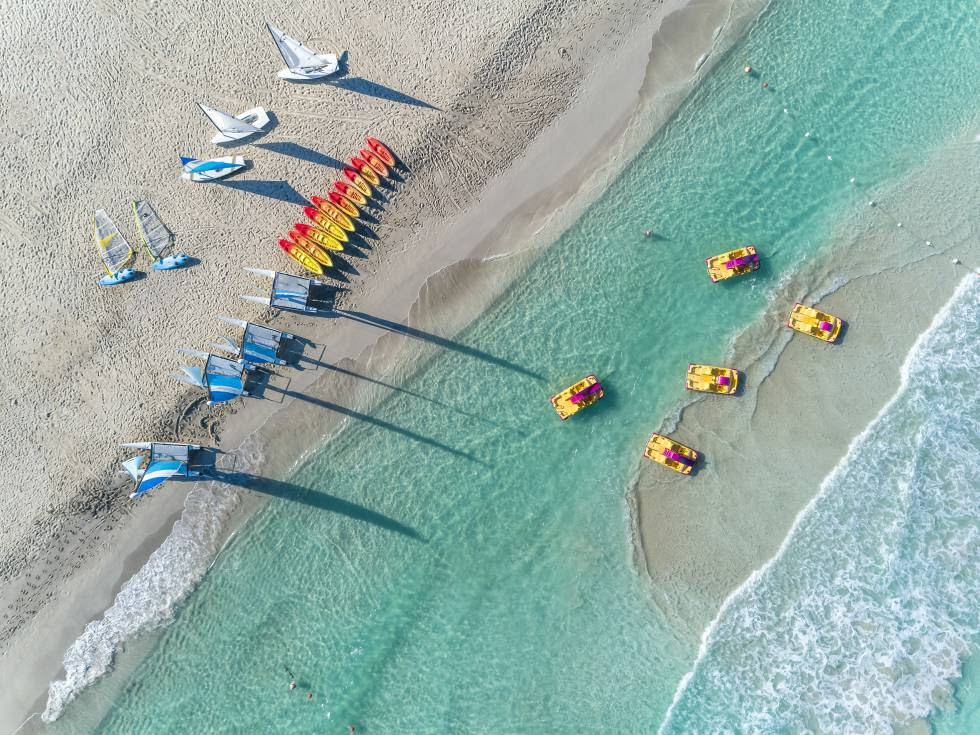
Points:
[(467, 568)]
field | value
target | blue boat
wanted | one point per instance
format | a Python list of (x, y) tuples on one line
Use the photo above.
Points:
[(223, 379), (215, 168), (260, 345), (166, 461)]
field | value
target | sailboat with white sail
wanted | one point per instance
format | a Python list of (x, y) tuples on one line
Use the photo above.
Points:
[(235, 127), (156, 238), (212, 169), (302, 63), (116, 253)]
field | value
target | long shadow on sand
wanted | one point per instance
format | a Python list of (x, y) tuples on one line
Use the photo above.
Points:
[(373, 89), (360, 316), (280, 190), (380, 423), (302, 152), (316, 499)]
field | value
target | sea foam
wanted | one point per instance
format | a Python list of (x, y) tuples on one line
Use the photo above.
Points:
[(861, 619)]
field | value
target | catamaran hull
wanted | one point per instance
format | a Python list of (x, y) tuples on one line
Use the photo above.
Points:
[(171, 262), (329, 67), (232, 165), (257, 116), (126, 274)]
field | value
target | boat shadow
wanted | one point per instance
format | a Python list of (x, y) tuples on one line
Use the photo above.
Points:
[(360, 85), (264, 386), (279, 190), (315, 498), (301, 153), (360, 316)]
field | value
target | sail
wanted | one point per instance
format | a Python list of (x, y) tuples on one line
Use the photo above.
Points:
[(294, 53), (156, 238), (112, 246), (158, 472), (227, 123)]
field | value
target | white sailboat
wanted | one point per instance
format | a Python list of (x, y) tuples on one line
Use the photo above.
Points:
[(302, 63), (116, 253), (235, 127), (156, 238), (214, 168)]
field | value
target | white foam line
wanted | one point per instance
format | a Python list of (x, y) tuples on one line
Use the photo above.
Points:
[(910, 358)]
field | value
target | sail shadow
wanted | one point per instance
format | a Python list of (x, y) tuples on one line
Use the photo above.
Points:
[(380, 423), (280, 190), (302, 153), (315, 499), (374, 89), (391, 326)]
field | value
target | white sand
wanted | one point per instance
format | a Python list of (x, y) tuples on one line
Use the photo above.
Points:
[(505, 103), (767, 451)]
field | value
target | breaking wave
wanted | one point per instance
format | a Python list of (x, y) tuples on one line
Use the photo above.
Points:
[(861, 620)]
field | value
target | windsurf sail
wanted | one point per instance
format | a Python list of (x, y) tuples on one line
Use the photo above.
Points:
[(298, 56), (112, 246), (227, 123), (154, 235)]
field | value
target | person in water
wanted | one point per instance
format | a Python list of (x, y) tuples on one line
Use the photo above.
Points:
[(292, 685)]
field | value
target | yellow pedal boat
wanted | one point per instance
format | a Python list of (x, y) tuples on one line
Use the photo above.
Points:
[(736, 262), (669, 453), (573, 399), (710, 379), (817, 324)]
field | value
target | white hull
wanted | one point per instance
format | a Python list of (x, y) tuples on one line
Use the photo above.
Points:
[(257, 116), (234, 164), (329, 67)]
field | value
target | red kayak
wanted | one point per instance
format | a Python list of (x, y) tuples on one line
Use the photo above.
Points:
[(350, 192), (383, 153), (366, 171), (374, 162), (357, 180), (344, 204)]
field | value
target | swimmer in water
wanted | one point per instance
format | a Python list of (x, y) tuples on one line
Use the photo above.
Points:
[(647, 233), (292, 685)]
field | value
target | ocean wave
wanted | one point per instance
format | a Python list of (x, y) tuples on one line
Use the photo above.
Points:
[(861, 619), (148, 599)]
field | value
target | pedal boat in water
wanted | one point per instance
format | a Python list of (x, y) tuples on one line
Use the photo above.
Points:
[(670, 454), (817, 324), (736, 262), (581, 395), (710, 379)]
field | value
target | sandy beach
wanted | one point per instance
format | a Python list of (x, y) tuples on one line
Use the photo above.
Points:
[(805, 401), (507, 132)]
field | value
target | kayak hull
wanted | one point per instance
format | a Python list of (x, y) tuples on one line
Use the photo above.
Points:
[(383, 153), (321, 238), (333, 213), (374, 162), (358, 181), (300, 256), (344, 205), (351, 193), (366, 171)]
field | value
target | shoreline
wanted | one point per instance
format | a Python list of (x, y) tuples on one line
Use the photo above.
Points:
[(703, 542), (574, 186)]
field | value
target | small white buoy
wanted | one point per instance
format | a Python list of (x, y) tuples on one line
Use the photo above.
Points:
[(929, 243), (956, 261), (785, 111), (852, 179), (806, 134), (830, 158), (871, 203), (899, 224)]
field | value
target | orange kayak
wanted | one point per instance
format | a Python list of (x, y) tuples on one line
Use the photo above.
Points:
[(318, 236), (356, 179), (374, 162), (344, 205), (333, 213), (383, 153), (366, 171), (351, 193), (318, 253), (325, 223), (302, 257)]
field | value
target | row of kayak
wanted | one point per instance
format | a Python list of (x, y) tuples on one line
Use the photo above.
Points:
[(332, 219), (702, 378)]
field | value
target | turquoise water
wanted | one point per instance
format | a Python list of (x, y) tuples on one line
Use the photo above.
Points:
[(482, 580)]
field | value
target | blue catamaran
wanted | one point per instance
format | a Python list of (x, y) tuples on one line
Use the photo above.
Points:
[(223, 379), (165, 462), (288, 292), (260, 345)]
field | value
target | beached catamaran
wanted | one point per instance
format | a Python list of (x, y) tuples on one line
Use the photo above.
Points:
[(214, 168), (223, 379), (235, 127), (165, 461), (288, 292), (302, 63), (157, 240), (116, 253), (260, 345)]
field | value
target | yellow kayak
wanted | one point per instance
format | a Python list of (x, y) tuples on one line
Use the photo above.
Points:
[(576, 397), (319, 254), (325, 223), (321, 238), (817, 324), (333, 213), (666, 451), (302, 257), (710, 379)]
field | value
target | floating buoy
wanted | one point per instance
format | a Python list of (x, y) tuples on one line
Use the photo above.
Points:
[(785, 111), (765, 85), (899, 224), (830, 158), (852, 179), (956, 261), (806, 134)]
